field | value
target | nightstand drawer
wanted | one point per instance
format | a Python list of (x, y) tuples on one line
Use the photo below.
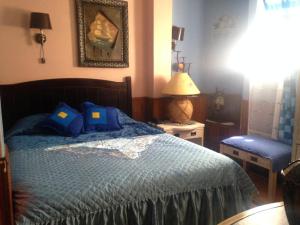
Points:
[(196, 133), (192, 131)]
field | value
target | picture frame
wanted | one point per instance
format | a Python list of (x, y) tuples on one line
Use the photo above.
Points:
[(103, 33)]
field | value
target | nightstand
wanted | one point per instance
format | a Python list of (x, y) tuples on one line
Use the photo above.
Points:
[(194, 131), (215, 132)]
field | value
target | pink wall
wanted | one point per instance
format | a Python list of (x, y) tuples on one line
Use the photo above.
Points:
[(19, 53), (162, 38), (149, 39)]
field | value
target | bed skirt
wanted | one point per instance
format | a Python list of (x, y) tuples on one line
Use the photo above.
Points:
[(199, 207)]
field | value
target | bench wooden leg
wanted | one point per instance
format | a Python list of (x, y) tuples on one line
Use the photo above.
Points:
[(272, 185)]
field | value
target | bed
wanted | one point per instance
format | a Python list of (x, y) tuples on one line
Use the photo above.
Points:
[(137, 175)]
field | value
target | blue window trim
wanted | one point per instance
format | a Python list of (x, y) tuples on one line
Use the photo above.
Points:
[(283, 4)]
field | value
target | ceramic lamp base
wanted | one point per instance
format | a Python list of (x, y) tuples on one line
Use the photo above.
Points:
[(180, 110)]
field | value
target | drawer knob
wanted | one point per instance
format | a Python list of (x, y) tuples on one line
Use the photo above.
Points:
[(193, 133), (254, 159), (236, 153), (177, 135)]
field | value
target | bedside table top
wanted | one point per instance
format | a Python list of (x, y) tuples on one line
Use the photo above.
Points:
[(168, 126)]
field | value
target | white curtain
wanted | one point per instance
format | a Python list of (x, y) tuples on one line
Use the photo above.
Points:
[(265, 100), (266, 54)]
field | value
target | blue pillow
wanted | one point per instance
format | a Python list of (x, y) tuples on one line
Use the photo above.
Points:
[(64, 120), (100, 118), (27, 126)]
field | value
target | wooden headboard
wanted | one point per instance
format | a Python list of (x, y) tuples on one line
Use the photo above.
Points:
[(23, 99)]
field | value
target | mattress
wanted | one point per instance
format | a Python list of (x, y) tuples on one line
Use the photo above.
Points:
[(137, 175)]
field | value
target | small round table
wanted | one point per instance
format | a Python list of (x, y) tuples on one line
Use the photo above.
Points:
[(270, 214)]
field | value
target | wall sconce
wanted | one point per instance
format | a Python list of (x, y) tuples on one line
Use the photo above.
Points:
[(40, 21), (177, 35)]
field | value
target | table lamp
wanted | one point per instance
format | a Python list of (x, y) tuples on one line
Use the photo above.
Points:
[(181, 86)]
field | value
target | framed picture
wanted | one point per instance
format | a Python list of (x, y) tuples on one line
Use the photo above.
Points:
[(103, 33)]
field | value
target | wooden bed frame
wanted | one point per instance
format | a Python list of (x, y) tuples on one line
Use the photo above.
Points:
[(23, 99), (41, 96)]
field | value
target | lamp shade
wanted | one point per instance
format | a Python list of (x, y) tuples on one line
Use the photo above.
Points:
[(177, 33), (181, 84), (40, 20)]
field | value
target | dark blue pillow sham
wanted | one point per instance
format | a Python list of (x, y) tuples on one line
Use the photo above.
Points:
[(100, 118), (64, 120)]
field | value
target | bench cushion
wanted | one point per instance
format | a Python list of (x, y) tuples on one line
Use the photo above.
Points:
[(278, 152)]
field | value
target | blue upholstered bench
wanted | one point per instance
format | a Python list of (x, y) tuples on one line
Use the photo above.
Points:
[(265, 152)]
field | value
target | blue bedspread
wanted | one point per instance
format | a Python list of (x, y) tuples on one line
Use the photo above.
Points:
[(279, 153), (91, 184)]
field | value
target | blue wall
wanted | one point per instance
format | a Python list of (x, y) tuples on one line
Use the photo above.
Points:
[(188, 14), (206, 47)]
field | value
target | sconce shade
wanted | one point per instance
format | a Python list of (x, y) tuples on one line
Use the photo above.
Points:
[(40, 20), (181, 84), (177, 33)]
